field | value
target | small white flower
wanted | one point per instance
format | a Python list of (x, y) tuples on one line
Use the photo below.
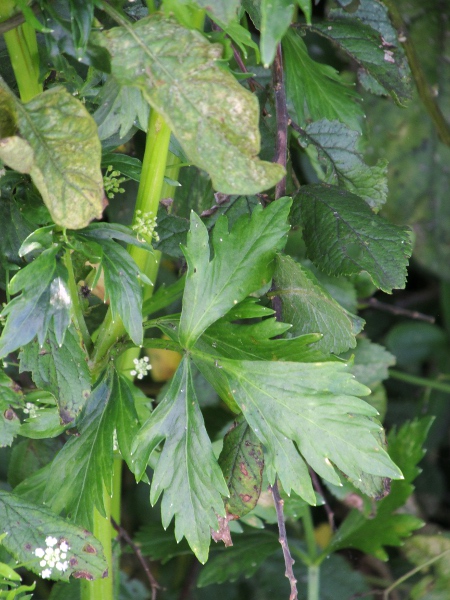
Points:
[(64, 546), (51, 541), (46, 573), (31, 410), (39, 552), (142, 367), (43, 563), (61, 566)]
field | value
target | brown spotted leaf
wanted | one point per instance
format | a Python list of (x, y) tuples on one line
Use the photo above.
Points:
[(242, 463)]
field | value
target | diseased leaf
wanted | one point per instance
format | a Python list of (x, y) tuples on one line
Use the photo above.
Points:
[(314, 90), (242, 463), (242, 263), (213, 117), (371, 363), (61, 370), (311, 404), (83, 468), (389, 527), (382, 61), (187, 471), (29, 527), (344, 237), (247, 554), (342, 162), (62, 153), (44, 298), (10, 398), (310, 309)]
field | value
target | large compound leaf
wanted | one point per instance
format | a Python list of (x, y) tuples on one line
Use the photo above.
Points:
[(310, 308), (313, 405), (342, 163), (242, 263), (389, 527), (187, 471), (62, 153), (343, 236), (29, 527), (314, 90), (83, 468), (44, 298), (60, 370), (213, 117)]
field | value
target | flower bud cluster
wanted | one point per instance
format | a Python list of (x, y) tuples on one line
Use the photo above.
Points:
[(53, 557)]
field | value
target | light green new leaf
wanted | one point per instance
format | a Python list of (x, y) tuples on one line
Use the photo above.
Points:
[(222, 10), (371, 363), (213, 117), (379, 58), (313, 405), (10, 397), (61, 152), (276, 16), (311, 309), (344, 237), (342, 163), (242, 263), (314, 90), (187, 471), (28, 526), (83, 468), (60, 370), (389, 527)]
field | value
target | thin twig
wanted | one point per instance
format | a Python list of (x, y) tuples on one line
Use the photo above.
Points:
[(288, 560), (282, 119), (124, 535), (17, 19), (398, 310), (317, 486)]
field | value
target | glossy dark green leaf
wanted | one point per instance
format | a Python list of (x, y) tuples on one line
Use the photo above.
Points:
[(127, 420), (246, 555), (380, 60), (276, 16), (81, 16), (341, 161), (242, 464), (30, 527), (389, 526), (343, 236), (15, 228), (311, 404), (314, 90), (187, 471), (44, 298), (129, 166), (242, 263), (83, 469), (28, 456), (112, 231), (61, 370), (10, 399), (62, 153), (164, 296), (310, 309), (213, 117)]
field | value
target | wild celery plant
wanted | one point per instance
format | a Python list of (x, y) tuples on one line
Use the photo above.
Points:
[(270, 254)]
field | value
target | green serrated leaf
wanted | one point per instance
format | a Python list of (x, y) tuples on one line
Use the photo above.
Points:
[(389, 527), (314, 90), (371, 363), (309, 307), (61, 370), (276, 16), (213, 117), (242, 463), (344, 237), (113, 231), (342, 164), (44, 299), (242, 263), (62, 153), (30, 527), (311, 404), (83, 468), (10, 398), (187, 471), (378, 57), (127, 420), (129, 166), (246, 555), (81, 16)]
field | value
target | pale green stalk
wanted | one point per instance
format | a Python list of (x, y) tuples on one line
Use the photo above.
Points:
[(23, 52)]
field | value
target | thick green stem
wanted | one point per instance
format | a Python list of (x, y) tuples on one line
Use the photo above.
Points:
[(313, 582), (421, 381), (423, 88), (23, 52), (313, 562)]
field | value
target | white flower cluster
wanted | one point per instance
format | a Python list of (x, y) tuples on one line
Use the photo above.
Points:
[(142, 367), (30, 410), (53, 557), (145, 225)]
